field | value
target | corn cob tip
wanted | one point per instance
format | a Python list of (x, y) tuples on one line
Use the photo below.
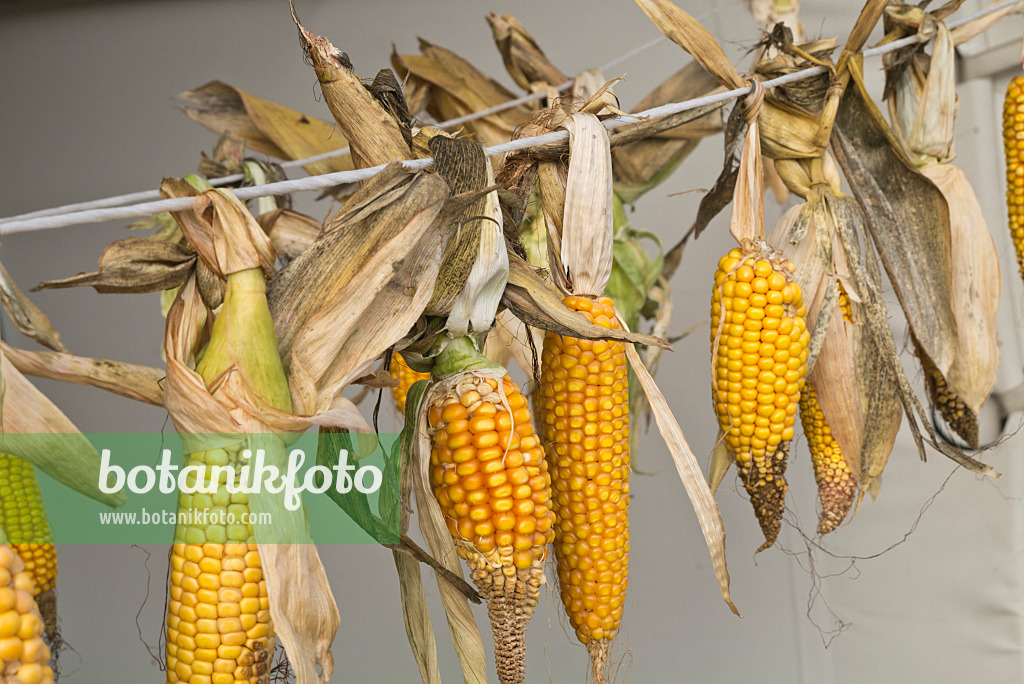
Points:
[(836, 482), (599, 650), (954, 411)]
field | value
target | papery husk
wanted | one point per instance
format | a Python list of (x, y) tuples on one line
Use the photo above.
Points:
[(536, 302), (923, 109), (907, 216), (141, 383), (701, 498), (264, 126), (469, 645), (964, 32), (34, 429), (474, 269), (26, 316), (374, 135), (457, 88), (342, 302), (418, 628), (747, 220), (290, 232), (586, 236), (524, 59), (511, 338), (880, 362), (134, 265), (642, 165)]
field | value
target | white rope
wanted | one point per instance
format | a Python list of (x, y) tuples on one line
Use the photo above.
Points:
[(320, 182), (147, 195)]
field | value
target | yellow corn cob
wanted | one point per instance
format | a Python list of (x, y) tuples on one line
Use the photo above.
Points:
[(488, 473), (844, 304), (585, 416), (836, 483), (23, 518), (1013, 144), (759, 349), (23, 653), (218, 616), (406, 378)]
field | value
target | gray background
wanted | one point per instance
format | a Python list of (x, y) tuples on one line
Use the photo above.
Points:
[(87, 112)]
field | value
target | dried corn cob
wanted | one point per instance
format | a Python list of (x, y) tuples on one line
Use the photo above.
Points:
[(23, 653), (490, 479), (406, 378), (585, 417), (1013, 144), (23, 519), (759, 347), (952, 408), (836, 482), (218, 617)]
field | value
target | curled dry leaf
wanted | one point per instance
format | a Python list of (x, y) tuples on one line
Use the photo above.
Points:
[(141, 383), (907, 216), (27, 317), (264, 126), (291, 233), (373, 133), (34, 429), (523, 57), (134, 265)]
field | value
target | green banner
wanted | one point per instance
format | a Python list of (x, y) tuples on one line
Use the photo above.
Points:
[(332, 488)]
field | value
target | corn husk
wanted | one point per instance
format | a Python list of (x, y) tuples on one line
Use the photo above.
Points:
[(642, 165), (923, 109), (474, 270), (25, 315), (290, 232), (264, 126), (908, 219), (523, 57), (34, 429), (448, 86), (375, 135), (141, 383)]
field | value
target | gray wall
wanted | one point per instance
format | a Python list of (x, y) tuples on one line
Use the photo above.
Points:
[(87, 112)]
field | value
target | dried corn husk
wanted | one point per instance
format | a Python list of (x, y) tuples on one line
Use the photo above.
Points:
[(27, 317), (375, 135), (908, 219), (141, 383), (33, 428), (264, 126), (453, 88), (290, 232), (923, 110), (523, 57)]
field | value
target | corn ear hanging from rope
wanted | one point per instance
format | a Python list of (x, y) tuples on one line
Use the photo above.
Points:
[(488, 473)]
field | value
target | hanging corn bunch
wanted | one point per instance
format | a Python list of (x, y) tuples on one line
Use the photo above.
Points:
[(23, 653), (922, 109)]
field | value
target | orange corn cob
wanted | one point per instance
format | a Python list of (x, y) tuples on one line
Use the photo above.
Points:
[(489, 476), (406, 378), (836, 483), (759, 345), (585, 417)]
